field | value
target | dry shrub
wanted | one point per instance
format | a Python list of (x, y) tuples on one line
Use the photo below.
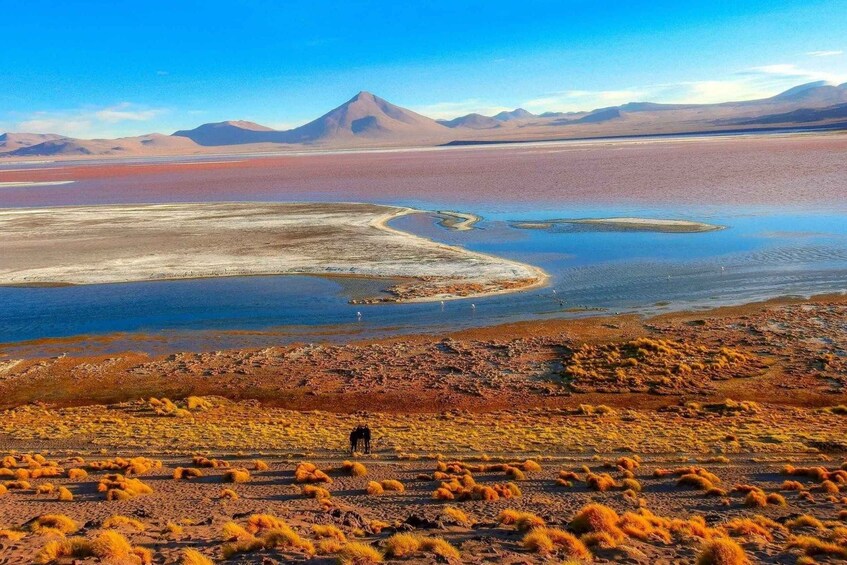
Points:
[(515, 473), (286, 538), (259, 465), (804, 521), (11, 535), (329, 531), (197, 403), (356, 553), (228, 494), (440, 547), (306, 472), (236, 476), (375, 488), (791, 485), (312, 491), (112, 547), (119, 487), (631, 484), (746, 527), (814, 546), (329, 546), (17, 485), (596, 518), (628, 463), (57, 550), (696, 481), (523, 521), (44, 488), (600, 482), (354, 469), (57, 522), (402, 545), (194, 557), (392, 485), (756, 499), (722, 551), (259, 522), (118, 521), (77, 474), (133, 466), (530, 466), (455, 515), (200, 461), (186, 473), (776, 499)]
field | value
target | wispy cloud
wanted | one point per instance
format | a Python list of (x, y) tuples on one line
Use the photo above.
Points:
[(747, 84), (833, 53), (88, 122)]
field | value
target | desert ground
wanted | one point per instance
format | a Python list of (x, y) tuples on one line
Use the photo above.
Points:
[(106, 244), (708, 437)]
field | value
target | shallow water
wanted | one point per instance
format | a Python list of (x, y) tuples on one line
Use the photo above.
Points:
[(759, 255)]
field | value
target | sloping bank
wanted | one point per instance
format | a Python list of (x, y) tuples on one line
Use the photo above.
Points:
[(114, 244)]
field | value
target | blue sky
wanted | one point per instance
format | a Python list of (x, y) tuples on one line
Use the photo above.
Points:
[(90, 68)]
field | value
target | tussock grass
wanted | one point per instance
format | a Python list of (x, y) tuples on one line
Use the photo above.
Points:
[(77, 474), (186, 473), (194, 557), (306, 472), (228, 494), (313, 491), (329, 531), (354, 469), (357, 553), (57, 522), (722, 551), (236, 476), (119, 521)]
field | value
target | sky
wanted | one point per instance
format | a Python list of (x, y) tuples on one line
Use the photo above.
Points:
[(93, 68)]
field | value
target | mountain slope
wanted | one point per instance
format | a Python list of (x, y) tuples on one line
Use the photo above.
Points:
[(152, 144), (472, 121), (365, 116), (226, 133)]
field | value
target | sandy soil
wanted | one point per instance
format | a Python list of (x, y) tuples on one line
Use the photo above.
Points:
[(105, 244)]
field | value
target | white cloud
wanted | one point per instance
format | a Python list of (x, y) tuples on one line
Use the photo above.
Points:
[(833, 53), (88, 122), (749, 84)]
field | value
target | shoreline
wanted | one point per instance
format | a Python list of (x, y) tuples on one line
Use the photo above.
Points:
[(438, 271)]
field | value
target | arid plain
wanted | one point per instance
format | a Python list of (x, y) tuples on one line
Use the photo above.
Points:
[(706, 437)]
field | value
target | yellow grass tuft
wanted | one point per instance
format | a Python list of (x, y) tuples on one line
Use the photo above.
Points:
[(329, 546), (286, 538), (236, 476), (356, 553), (312, 491), (259, 465), (594, 518), (392, 485), (306, 472), (58, 522), (354, 468), (804, 521), (756, 499), (228, 494), (118, 521), (194, 557), (329, 531), (231, 531), (722, 551), (402, 545), (77, 474), (110, 546), (56, 550), (538, 541), (375, 488), (451, 513), (440, 547), (259, 522), (186, 473)]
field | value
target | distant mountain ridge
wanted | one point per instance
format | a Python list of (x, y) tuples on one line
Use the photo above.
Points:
[(369, 121)]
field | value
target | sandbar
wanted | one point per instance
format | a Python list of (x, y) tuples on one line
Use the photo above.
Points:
[(126, 243), (626, 224)]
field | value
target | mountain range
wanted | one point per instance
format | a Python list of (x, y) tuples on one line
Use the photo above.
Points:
[(369, 121)]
